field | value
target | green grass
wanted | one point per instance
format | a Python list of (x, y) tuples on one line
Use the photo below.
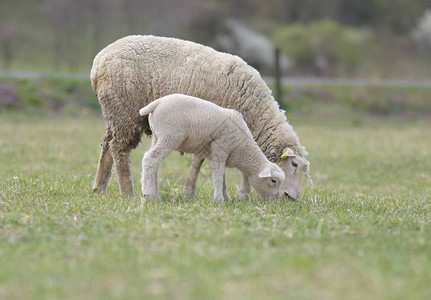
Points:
[(363, 231)]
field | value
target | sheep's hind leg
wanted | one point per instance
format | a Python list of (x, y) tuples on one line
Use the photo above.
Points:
[(121, 157), (190, 186), (104, 167)]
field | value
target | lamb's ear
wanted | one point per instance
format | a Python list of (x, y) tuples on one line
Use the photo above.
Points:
[(266, 172), (287, 152)]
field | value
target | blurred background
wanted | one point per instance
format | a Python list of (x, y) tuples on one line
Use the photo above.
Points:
[(344, 39), (368, 38)]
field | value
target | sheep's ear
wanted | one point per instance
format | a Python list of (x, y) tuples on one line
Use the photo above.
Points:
[(266, 172), (287, 152)]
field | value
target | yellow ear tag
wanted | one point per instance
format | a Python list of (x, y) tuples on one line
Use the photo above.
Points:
[(285, 154)]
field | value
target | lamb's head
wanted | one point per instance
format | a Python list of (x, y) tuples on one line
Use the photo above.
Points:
[(269, 181), (294, 168)]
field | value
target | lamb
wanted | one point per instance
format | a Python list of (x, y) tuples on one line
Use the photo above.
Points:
[(192, 125), (135, 70)]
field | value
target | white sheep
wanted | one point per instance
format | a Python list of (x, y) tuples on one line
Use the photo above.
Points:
[(192, 125), (135, 70)]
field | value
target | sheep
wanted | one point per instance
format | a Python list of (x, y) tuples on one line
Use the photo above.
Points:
[(135, 70), (192, 125)]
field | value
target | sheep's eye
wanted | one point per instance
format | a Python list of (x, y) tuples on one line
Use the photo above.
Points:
[(273, 181), (294, 164)]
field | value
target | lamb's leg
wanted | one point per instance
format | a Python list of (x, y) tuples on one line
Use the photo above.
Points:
[(121, 157), (104, 167), (149, 183), (217, 171), (225, 193), (190, 186), (244, 190), (150, 166)]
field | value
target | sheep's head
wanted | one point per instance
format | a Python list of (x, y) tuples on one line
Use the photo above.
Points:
[(269, 181), (294, 168)]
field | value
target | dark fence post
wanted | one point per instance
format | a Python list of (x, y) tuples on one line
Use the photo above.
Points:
[(278, 93)]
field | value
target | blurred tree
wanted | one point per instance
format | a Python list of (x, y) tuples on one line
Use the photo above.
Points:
[(323, 47), (396, 16), (8, 33), (66, 34), (6, 42), (309, 10), (65, 25), (242, 9), (422, 33), (206, 25), (96, 20)]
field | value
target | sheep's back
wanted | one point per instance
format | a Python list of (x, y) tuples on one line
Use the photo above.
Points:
[(143, 68)]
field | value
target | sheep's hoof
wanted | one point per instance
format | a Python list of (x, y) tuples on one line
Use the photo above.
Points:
[(151, 197), (189, 193), (98, 190)]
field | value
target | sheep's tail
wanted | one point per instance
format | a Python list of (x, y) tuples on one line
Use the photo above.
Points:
[(93, 78), (146, 110), (97, 73)]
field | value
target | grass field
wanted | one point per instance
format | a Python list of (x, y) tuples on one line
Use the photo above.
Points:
[(363, 231)]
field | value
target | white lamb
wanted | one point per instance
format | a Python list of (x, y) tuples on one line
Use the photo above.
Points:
[(192, 125)]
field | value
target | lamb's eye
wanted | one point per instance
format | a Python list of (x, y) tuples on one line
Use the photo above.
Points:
[(294, 164), (273, 181)]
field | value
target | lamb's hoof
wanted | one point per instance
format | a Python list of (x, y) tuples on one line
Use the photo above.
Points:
[(243, 196), (218, 199), (227, 197), (189, 193)]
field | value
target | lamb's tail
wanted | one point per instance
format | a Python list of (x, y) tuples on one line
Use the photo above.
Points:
[(146, 110)]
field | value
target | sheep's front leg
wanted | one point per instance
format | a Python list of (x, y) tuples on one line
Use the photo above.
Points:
[(190, 186), (244, 190)]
